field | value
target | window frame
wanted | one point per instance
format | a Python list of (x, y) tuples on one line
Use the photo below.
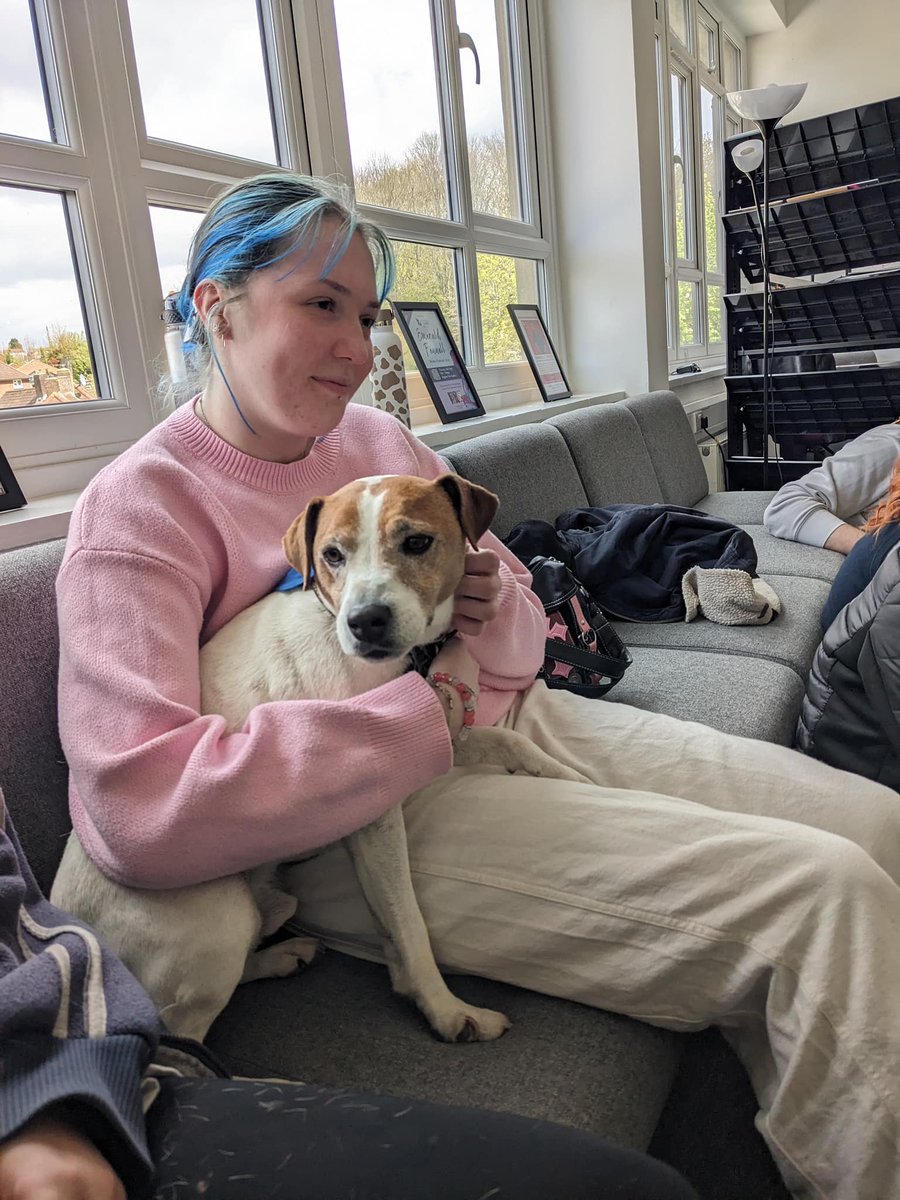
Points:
[(115, 171), (673, 55), (466, 231)]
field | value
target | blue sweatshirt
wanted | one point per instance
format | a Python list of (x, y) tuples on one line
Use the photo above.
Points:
[(77, 1030)]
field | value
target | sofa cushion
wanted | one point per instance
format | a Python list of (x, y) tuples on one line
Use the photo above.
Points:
[(338, 1024), (33, 772), (750, 697), (777, 557), (609, 451), (790, 639), (741, 508), (530, 469), (671, 445)]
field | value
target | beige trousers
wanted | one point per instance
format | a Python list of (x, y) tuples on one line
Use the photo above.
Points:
[(705, 879)]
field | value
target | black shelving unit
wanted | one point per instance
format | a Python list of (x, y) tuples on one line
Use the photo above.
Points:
[(834, 206)]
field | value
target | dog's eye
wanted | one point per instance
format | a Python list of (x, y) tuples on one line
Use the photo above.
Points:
[(417, 543), (332, 556)]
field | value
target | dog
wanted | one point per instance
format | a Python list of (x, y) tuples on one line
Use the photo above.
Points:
[(387, 554)]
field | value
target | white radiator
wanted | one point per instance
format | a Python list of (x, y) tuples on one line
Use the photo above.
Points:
[(712, 464)]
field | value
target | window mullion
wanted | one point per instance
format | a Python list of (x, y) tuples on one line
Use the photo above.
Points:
[(281, 49), (446, 43), (325, 114)]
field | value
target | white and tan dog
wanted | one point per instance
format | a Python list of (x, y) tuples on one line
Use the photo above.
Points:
[(388, 554)]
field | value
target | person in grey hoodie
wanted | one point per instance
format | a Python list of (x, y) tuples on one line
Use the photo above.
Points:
[(830, 504), (83, 1054)]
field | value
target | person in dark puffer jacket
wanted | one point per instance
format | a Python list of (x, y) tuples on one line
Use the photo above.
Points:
[(849, 714)]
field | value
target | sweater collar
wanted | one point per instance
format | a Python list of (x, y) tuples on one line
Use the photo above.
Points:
[(273, 477)]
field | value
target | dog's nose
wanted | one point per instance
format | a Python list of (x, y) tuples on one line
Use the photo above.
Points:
[(370, 624)]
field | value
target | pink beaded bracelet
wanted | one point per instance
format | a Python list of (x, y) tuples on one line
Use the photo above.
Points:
[(439, 679)]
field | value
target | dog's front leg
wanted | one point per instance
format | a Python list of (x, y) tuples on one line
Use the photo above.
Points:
[(380, 856), (512, 750)]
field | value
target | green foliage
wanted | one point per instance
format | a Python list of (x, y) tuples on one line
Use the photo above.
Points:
[(66, 348), (427, 273)]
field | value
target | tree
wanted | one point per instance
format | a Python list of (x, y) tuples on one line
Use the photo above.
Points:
[(427, 273), (65, 348)]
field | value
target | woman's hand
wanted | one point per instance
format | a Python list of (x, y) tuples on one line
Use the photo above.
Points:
[(48, 1161), (477, 599), (455, 659)]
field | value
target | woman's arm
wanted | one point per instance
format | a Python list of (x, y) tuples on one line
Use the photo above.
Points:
[(76, 1032), (825, 506), (162, 796)]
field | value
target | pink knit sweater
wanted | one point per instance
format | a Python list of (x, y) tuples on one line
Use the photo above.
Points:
[(166, 545)]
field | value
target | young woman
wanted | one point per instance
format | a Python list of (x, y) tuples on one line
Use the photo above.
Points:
[(702, 879), (849, 714)]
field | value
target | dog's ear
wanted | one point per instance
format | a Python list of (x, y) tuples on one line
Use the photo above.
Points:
[(475, 506), (299, 539)]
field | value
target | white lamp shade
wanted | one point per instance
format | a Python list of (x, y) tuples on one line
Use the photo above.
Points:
[(767, 103), (747, 155)]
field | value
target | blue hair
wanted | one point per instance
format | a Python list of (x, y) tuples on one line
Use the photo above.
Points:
[(259, 221)]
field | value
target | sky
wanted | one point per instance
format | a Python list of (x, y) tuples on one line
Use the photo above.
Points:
[(391, 98)]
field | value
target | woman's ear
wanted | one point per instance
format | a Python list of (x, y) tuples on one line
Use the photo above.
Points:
[(207, 294)]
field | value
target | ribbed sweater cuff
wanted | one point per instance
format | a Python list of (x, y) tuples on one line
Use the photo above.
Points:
[(425, 728), (98, 1081), (818, 527)]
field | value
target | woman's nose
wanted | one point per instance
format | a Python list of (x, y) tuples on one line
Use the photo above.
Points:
[(356, 346)]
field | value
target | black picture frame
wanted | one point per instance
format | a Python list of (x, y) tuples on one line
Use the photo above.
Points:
[(11, 495), (540, 351), (439, 361)]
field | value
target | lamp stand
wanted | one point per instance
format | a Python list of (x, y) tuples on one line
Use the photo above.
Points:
[(766, 127)]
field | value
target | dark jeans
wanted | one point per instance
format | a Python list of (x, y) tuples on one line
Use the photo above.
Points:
[(237, 1140)]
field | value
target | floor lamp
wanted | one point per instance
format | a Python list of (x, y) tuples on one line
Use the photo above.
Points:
[(765, 107)]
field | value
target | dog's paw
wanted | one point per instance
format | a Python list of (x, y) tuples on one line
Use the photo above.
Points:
[(465, 1023), (284, 958)]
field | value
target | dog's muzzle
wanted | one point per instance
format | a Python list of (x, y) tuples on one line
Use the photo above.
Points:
[(372, 626)]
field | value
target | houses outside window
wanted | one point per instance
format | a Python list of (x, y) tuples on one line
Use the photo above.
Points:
[(105, 174), (699, 59)]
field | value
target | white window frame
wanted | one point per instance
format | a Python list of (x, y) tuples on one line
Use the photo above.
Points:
[(673, 55), (114, 171), (467, 232)]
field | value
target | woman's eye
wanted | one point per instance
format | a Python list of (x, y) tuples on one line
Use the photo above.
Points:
[(417, 543), (327, 304), (332, 556)]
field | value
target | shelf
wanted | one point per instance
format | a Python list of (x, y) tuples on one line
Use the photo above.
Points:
[(858, 228), (827, 406), (822, 152), (853, 313)]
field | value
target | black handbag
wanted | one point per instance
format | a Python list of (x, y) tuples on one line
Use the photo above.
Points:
[(583, 652)]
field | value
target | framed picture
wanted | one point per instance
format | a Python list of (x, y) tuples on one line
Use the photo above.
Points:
[(440, 363), (10, 492), (542, 358)]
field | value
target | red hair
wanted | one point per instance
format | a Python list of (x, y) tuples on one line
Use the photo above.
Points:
[(889, 509)]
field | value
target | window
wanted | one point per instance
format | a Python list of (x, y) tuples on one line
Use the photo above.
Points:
[(105, 173), (702, 61), (457, 186)]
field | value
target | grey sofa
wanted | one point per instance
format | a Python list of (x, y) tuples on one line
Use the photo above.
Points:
[(685, 1097)]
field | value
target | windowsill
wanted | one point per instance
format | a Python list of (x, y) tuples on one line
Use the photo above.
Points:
[(677, 381), (437, 435), (47, 518), (39, 521)]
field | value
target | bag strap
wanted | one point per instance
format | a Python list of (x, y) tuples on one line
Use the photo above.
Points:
[(590, 660)]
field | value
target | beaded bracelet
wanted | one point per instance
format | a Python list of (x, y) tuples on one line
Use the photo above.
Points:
[(442, 681)]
